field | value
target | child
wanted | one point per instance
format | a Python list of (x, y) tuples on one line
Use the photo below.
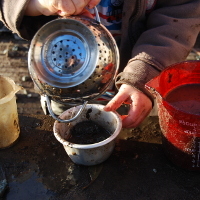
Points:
[(153, 35)]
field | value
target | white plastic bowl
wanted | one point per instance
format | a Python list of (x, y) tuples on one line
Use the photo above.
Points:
[(89, 154)]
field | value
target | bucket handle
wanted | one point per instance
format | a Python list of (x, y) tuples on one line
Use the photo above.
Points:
[(97, 14), (63, 120)]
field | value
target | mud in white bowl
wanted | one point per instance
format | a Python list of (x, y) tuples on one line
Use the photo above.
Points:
[(89, 154)]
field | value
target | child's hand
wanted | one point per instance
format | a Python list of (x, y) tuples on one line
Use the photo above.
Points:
[(58, 7), (140, 105)]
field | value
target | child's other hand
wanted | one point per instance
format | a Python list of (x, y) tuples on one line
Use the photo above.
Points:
[(140, 105)]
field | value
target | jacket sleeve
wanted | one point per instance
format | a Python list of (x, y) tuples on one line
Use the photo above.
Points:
[(171, 33), (12, 15)]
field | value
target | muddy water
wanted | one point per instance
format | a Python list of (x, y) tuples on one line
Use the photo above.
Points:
[(88, 132), (186, 98)]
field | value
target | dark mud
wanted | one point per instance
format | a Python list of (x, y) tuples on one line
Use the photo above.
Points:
[(87, 132), (37, 167)]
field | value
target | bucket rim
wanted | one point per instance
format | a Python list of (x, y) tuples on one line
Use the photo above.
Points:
[(11, 94), (94, 145)]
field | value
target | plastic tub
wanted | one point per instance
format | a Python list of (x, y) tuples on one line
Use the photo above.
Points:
[(9, 125)]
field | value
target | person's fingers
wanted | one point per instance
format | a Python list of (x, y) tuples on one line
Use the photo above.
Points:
[(65, 8), (73, 7), (139, 109), (93, 3), (86, 13), (123, 96), (140, 105), (135, 117), (116, 101), (79, 5), (44, 7), (59, 7)]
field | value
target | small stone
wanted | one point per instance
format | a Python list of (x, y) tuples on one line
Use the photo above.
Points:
[(26, 78), (155, 170), (15, 48), (29, 95)]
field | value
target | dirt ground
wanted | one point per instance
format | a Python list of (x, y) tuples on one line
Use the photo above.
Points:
[(37, 166)]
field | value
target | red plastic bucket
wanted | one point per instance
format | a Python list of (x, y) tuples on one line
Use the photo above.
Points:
[(177, 91)]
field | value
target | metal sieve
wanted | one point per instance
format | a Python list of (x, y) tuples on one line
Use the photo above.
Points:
[(73, 60)]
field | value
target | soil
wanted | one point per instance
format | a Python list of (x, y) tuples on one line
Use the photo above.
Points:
[(37, 166), (87, 132)]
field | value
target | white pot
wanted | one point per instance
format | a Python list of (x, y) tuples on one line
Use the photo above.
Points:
[(89, 154)]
